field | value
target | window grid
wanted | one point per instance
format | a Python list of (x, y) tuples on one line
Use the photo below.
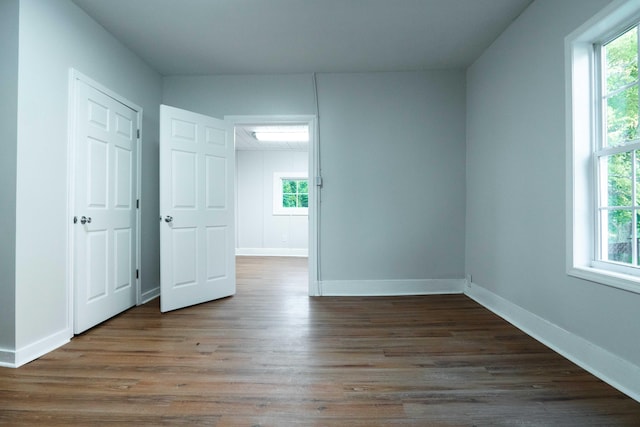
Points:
[(295, 193), (617, 151)]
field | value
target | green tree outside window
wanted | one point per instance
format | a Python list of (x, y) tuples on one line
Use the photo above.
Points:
[(621, 120), (295, 193)]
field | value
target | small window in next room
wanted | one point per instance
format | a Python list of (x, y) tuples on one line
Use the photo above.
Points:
[(603, 186), (290, 194)]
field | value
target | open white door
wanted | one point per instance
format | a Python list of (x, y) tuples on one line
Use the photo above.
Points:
[(197, 244)]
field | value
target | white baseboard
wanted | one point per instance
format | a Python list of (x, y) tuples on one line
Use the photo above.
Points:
[(149, 295), (290, 252), (390, 287), (610, 368), (15, 359)]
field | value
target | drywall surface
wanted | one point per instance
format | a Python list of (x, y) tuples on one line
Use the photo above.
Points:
[(218, 96), (392, 156), (516, 199), (8, 142), (55, 36), (257, 226), (393, 162)]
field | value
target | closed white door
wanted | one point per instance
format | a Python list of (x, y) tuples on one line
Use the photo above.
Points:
[(197, 245), (105, 200)]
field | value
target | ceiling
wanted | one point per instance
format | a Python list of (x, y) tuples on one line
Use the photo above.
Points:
[(199, 37)]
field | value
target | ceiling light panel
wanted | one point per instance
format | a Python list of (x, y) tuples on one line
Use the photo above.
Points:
[(284, 133)]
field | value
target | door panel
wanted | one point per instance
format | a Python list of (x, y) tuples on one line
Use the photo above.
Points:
[(216, 257), (215, 182), (105, 196), (184, 186), (196, 230), (96, 256)]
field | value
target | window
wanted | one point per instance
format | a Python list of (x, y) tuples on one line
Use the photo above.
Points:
[(290, 194), (295, 193), (603, 186), (616, 154)]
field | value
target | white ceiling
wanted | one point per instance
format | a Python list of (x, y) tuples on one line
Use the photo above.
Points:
[(299, 36)]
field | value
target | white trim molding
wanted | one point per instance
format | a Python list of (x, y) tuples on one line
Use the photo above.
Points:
[(287, 252), (390, 287), (610, 368), (17, 358), (149, 295), (314, 176)]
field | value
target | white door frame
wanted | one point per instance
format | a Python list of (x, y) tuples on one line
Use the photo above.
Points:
[(314, 193), (74, 77)]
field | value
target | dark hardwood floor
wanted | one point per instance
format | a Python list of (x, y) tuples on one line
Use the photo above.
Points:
[(272, 356)]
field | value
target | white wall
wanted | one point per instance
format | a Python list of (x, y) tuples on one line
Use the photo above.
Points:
[(380, 132), (516, 164), (53, 37), (260, 232), (217, 96), (8, 132)]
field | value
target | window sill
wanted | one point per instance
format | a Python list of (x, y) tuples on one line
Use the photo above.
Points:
[(626, 282)]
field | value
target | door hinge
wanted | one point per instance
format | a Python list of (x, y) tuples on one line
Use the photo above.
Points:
[(138, 133), (137, 273), (137, 203)]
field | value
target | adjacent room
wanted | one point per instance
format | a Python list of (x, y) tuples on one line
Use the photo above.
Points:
[(272, 190), (441, 233)]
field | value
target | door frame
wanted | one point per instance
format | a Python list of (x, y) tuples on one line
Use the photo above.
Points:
[(314, 172), (76, 76)]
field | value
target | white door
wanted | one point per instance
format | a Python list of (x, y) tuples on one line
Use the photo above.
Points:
[(105, 203), (197, 245)]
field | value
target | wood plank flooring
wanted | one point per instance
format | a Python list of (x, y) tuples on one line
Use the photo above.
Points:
[(272, 356)]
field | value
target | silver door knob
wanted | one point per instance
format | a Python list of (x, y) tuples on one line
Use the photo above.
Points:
[(85, 220), (168, 218)]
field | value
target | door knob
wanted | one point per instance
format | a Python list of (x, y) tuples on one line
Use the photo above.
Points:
[(85, 220), (168, 218)]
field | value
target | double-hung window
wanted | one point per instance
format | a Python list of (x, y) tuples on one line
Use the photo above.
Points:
[(603, 114), (616, 155)]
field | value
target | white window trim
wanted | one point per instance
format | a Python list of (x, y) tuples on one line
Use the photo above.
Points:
[(581, 135), (278, 209)]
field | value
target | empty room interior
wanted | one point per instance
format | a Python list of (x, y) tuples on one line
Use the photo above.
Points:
[(445, 232)]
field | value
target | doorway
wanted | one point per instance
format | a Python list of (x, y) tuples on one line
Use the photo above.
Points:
[(104, 172), (276, 195)]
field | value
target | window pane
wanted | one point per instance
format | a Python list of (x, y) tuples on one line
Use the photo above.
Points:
[(622, 117), (620, 233), (289, 200), (618, 170), (303, 187), (288, 186), (303, 201), (637, 183), (622, 60)]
